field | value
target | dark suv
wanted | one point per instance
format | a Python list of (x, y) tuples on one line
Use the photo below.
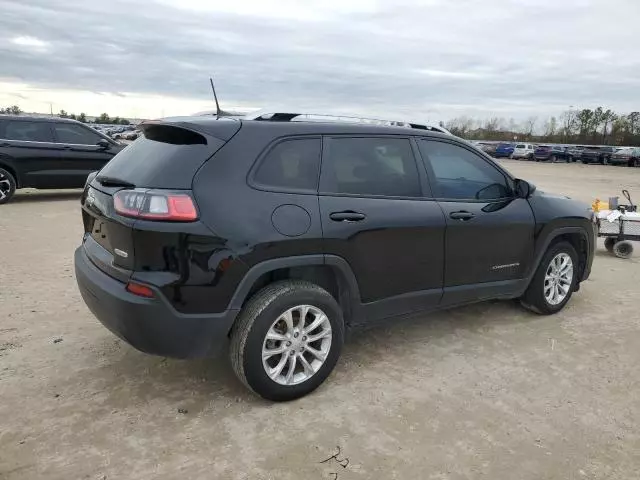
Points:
[(276, 236), (49, 153)]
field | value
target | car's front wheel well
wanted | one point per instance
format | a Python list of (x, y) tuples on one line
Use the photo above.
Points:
[(325, 276), (579, 243)]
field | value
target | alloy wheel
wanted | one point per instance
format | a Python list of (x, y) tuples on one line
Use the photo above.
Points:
[(5, 186), (296, 345), (558, 278)]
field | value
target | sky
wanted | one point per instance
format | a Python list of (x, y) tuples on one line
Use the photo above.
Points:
[(418, 60)]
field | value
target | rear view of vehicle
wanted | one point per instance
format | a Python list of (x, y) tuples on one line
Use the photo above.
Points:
[(523, 151), (504, 150), (542, 153), (628, 156), (137, 267)]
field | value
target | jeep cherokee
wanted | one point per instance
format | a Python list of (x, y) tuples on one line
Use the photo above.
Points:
[(276, 235)]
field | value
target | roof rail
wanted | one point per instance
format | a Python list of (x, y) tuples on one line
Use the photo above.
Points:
[(282, 116)]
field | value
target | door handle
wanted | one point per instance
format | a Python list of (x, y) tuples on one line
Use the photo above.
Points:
[(462, 215), (347, 216)]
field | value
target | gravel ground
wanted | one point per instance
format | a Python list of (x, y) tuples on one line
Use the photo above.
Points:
[(487, 391)]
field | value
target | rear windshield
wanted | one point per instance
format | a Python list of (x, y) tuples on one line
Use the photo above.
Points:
[(505, 145), (520, 146), (170, 160)]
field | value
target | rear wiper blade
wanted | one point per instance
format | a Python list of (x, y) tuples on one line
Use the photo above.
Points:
[(113, 182)]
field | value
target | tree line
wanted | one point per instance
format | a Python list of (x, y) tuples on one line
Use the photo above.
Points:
[(103, 119), (585, 126)]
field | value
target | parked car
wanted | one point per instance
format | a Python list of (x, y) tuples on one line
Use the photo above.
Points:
[(574, 153), (597, 155), (299, 210), (552, 153), (488, 148), (629, 156), (504, 150), (523, 150), (49, 153)]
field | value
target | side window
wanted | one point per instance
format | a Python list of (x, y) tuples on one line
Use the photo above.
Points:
[(70, 133), (291, 164), (370, 166), (461, 174), (28, 131)]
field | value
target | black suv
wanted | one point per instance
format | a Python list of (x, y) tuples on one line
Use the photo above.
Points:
[(49, 153), (597, 154), (276, 236)]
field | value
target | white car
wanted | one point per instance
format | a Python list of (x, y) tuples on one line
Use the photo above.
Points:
[(523, 150)]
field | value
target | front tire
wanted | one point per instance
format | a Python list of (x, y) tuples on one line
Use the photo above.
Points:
[(287, 340), (554, 280), (7, 186)]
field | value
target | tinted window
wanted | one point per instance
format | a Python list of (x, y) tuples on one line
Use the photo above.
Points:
[(461, 174), (28, 131), (520, 146), (370, 166), (291, 164), (70, 133)]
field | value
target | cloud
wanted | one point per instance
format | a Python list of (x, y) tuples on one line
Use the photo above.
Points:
[(30, 42), (407, 58)]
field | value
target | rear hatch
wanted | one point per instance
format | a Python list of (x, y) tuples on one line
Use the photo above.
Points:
[(165, 158)]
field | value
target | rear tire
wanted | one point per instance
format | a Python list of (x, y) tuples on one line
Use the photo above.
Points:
[(7, 186), (267, 312), (633, 162), (609, 242), (539, 297), (623, 249), (553, 159)]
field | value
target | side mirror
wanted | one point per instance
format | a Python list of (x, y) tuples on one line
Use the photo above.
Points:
[(523, 188), (103, 144)]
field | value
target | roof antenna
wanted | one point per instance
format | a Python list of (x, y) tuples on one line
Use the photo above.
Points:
[(215, 97)]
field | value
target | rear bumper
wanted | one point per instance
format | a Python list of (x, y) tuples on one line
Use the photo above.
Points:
[(150, 325)]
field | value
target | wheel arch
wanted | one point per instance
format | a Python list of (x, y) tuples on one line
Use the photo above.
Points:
[(7, 165), (578, 237), (330, 272)]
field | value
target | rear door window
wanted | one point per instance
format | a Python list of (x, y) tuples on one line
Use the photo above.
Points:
[(28, 131), (75, 134), (292, 164), (378, 166)]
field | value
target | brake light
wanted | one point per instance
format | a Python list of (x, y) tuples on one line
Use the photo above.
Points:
[(155, 205)]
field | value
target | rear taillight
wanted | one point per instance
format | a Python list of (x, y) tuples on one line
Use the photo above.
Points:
[(155, 205)]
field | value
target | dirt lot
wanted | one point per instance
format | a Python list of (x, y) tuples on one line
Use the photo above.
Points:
[(489, 391)]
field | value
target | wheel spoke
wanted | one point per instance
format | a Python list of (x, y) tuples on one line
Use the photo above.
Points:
[(288, 319), (292, 368), (303, 315), (308, 369), (318, 336), (273, 335), (315, 324), (268, 353), (275, 372), (316, 353)]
